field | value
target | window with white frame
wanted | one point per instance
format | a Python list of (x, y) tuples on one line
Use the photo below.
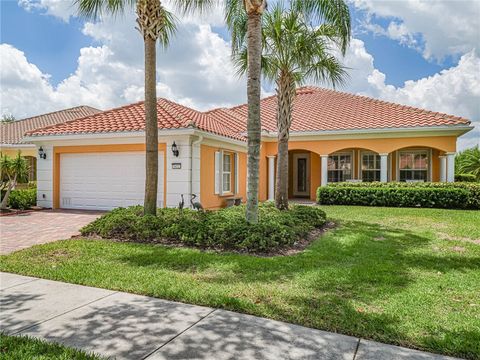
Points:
[(339, 167), (370, 167), (413, 165), (227, 173)]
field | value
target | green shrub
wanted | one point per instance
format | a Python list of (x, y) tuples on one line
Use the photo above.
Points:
[(465, 178), (224, 229), (22, 198), (397, 194)]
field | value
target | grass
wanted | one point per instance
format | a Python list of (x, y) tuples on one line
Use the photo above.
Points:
[(27, 348), (409, 277)]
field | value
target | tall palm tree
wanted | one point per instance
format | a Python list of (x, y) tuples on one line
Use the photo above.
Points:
[(154, 23), (295, 50), (244, 19)]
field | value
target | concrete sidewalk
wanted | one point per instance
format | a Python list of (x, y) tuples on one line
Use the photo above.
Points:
[(126, 326)]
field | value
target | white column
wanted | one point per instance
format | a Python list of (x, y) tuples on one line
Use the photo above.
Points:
[(443, 168), (271, 177), (383, 167), (324, 165), (451, 167)]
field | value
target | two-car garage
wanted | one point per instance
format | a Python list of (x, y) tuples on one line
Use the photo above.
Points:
[(104, 180)]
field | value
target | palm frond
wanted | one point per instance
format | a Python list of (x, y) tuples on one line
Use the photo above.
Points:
[(192, 6), (93, 9)]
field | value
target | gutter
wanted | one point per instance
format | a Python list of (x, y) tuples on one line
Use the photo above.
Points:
[(463, 128)]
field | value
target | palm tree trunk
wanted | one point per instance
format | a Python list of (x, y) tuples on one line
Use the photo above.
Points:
[(254, 123), (151, 128), (285, 96), (11, 185)]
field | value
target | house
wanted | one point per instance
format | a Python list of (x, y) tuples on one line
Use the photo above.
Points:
[(97, 162), (11, 133)]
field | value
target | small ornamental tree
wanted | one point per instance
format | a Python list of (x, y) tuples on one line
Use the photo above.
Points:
[(11, 169)]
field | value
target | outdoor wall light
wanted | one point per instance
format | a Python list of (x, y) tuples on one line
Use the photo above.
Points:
[(175, 149), (42, 154)]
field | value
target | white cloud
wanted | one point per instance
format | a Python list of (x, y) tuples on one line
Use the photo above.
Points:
[(453, 91), (62, 9), (196, 69), (447, 28)]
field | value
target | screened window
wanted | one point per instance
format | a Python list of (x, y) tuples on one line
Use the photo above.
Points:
[(413, 166), (339, 167), (370, 167), (227, 173)]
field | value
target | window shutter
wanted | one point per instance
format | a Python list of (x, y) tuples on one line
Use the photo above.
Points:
[(217, 172), (235, 162)]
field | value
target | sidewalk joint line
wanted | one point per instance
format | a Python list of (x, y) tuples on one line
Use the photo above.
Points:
[(180, 333), (66, 312), (26, 282), (356, 348)]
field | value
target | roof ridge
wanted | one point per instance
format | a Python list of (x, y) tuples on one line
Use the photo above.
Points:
[(170, 107), (54, 112), (87, 116)]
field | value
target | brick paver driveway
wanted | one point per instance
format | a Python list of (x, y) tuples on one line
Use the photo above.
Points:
[(40, 227)]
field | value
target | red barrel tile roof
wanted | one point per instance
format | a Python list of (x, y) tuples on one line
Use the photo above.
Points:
[(315, 109), (12, 133)]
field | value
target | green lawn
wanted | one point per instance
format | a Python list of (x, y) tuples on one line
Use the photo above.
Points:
[(27, 348), (409, 277)]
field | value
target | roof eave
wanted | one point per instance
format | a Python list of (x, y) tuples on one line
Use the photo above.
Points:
[(452, 130)]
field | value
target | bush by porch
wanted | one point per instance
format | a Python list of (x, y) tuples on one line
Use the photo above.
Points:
[(399, 194)]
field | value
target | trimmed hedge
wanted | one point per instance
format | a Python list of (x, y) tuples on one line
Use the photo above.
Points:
[(397, 194), (224, 229), (22, 198)]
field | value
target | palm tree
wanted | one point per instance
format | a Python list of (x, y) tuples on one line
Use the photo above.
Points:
[(294, 51), (155, 23), (244, 19), (468, 162), (11, 170)]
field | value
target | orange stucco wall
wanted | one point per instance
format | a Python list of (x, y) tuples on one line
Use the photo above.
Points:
[(386, 145), (438, 145), (209, 199)]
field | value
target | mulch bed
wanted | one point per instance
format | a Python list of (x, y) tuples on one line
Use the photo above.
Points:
[(12, 212), (296, 248)]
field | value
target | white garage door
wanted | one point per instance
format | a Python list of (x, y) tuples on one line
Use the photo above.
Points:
[(103, 181)]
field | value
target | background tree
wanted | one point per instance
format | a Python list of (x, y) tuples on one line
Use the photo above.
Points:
[(468, 162), (11, 170), (7, 118), (154, 23), (296, 50), (244, 20)]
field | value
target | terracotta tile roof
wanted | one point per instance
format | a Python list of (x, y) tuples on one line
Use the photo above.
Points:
[(315, 109), (132, 118), (12, 133)]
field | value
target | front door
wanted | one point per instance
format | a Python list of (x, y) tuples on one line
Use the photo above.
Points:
[(301, 174)]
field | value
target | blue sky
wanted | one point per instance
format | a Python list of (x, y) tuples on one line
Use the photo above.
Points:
[(58, 52), (53, 45)]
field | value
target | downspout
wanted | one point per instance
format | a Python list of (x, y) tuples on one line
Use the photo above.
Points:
[(190, 176)]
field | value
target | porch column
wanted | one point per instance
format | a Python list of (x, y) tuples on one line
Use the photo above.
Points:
[(383, 167), (324, 165), (443, 168), (451, 167), (271, 177)]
